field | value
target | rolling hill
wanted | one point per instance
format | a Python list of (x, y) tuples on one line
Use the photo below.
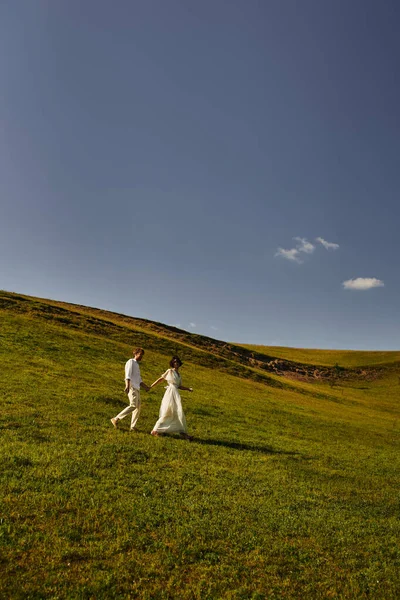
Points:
[(289, 489)]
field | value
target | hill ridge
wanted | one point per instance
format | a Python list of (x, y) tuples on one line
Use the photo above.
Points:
[(233, 358)]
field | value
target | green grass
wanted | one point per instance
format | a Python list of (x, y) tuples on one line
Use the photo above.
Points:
[(286, 492), (345, 358)]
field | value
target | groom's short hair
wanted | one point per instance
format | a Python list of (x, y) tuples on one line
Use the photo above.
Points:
[(138, 351)]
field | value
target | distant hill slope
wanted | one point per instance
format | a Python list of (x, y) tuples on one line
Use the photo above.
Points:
[(136, 332), (268, 364), (345, 358)]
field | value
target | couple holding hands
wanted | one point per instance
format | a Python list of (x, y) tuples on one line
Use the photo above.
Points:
[(171, 418)]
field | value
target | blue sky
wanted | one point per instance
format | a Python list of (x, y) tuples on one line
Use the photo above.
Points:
[(177, 161)]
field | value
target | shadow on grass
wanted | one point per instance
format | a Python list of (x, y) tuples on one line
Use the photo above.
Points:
[(244, 446)]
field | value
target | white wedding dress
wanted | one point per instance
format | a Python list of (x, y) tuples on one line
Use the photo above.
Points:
[(172, 419)]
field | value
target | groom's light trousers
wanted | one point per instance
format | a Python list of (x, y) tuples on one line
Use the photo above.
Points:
[(134, 407)]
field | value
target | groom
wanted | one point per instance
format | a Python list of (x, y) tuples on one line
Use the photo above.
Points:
[(133, 383)]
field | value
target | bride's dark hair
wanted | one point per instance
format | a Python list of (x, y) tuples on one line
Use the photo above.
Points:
[(173, 359)]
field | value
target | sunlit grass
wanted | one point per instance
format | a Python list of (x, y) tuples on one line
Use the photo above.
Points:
[(345, 358), (285, 493)]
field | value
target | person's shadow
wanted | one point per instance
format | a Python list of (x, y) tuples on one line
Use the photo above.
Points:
[(260, 448), (263, 449)]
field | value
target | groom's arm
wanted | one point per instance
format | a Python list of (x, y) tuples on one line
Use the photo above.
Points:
[(128, 374)]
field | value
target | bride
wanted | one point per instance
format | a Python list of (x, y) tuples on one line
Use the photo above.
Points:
[(172, 418)]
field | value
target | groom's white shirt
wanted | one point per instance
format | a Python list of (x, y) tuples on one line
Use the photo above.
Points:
[(132, 372)]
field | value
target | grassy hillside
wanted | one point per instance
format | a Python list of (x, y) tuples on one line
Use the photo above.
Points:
[(345, 358), (289, 490)]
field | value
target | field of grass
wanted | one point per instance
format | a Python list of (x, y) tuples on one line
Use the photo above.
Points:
[(286, 492), (328, 358)]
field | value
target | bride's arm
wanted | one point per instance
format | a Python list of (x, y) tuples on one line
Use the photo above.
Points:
[(157, 381), (187, 389)]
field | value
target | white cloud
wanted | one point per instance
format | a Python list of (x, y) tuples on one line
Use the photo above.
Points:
[(304, 245), (327, 245), (362, 283), (292, 254), (213, 328), (193, 325)]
